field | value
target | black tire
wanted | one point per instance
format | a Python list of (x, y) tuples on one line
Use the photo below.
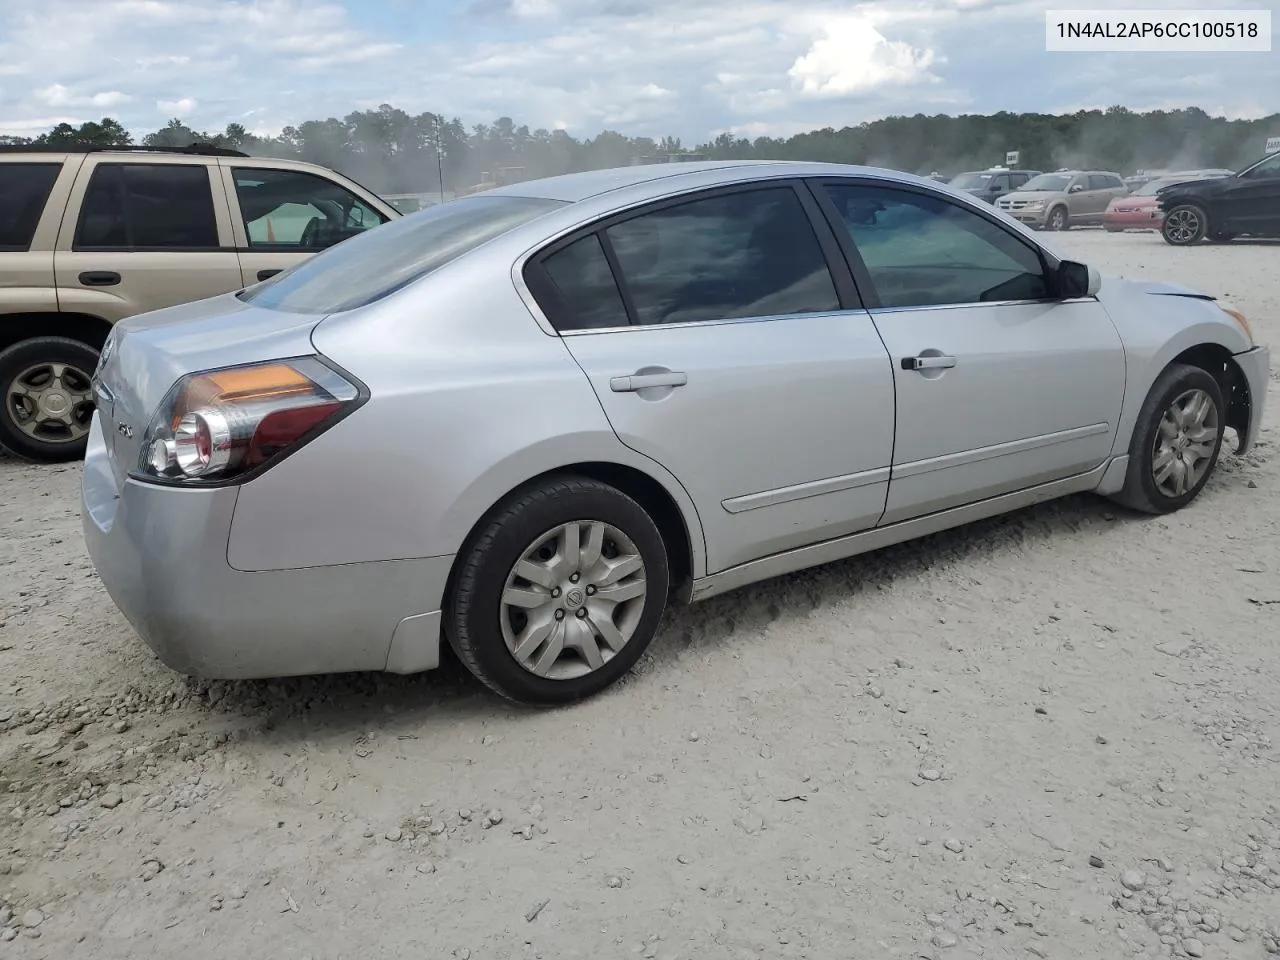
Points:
[(1184, 225), (49, 446), (1057, 219), (1140, 490), (473, 611), (1222, 237)]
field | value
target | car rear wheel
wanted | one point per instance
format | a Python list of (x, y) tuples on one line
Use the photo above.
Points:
[(1184, 225), (560, 591), (47, 398), (1222, 237), (1057, 219), (1176, 441)]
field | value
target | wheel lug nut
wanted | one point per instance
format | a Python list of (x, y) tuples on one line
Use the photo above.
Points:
[(559, 614), (591, 591), (581, 614), (573, 578), (555, 592)]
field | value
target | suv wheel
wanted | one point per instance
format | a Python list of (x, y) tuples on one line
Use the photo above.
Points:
[(46, 399), (560, 593), (1057, 219), (1184, 225)]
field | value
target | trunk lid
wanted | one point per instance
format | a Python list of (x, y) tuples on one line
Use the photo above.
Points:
[(148, 353)]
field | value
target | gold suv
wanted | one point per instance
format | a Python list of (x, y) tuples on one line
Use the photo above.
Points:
[(90, 236)]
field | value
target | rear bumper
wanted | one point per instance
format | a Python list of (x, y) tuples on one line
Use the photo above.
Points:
[(162, 555), (1255, 364)]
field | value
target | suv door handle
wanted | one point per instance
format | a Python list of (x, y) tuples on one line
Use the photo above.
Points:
[(99, 278), (928, 363), (641, 381), (268, 274)]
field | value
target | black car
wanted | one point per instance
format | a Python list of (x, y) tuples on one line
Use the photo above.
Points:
[(1223, 208), (991, 185)]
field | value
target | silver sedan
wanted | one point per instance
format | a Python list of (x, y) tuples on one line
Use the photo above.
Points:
[(524, 421)]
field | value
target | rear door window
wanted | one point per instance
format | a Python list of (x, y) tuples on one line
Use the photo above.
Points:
[(1098, 181), (138, 206), (585, 293), (24, 189), (293, 211), (750, 253)]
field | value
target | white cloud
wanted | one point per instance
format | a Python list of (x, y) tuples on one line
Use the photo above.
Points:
[(853, 57), (182, 109)]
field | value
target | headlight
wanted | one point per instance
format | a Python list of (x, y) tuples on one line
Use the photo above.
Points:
[(1034, 205), (1240, 319), (220, 425)]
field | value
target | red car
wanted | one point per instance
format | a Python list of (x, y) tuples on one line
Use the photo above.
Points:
[(1139, 211)]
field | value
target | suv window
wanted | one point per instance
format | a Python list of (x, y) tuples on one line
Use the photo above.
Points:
[(584, 283), (130, 206), (291, 210), (377, 263), (747, 254), (999, 182), (24, 188), (1017, 179), (923, 250), (1100, 181)]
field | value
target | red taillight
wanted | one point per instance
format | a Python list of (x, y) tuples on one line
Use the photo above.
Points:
[(218, 425)]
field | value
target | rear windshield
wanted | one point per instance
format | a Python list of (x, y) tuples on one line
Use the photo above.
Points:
[(380, 261), (24, 187)]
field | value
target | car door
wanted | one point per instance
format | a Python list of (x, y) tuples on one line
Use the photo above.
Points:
[(282, 216), (721, 344), (1251, 202), (1000, 386), (147, 235), (1102, 190)]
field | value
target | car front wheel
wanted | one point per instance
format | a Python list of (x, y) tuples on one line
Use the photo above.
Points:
[(1184, 225), (1176, 441), (1057, 219), (47, 398), (559, 592)]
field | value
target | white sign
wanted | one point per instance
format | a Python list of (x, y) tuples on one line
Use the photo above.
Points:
[(1011, 158), (1140, 31), (1273, 145)]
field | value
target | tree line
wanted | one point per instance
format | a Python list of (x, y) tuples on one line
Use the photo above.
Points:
[(392, 151)]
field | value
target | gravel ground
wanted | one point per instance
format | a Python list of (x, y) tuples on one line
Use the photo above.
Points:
[(1048, 735)]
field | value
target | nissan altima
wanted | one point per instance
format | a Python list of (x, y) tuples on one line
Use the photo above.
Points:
[(523, 422)]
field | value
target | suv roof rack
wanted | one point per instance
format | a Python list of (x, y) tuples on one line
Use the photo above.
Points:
[(194, 149)]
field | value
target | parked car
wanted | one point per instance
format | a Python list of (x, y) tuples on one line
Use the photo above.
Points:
[(1139, 210), (1066, 198), (526, 419), (1222, 208), (90, 236), (991, 185)]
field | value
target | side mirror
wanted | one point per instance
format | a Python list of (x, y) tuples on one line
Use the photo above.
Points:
[(1076, 280), (1076, 188)]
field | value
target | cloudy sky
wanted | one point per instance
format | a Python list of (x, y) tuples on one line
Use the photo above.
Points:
[(689, 68)]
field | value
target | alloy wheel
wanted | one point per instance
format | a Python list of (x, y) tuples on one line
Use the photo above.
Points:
[(51, 402), (1182, 226), (1184, 443), (573, 600)]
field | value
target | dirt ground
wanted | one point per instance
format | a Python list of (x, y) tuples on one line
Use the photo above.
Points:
[(1050, 735)]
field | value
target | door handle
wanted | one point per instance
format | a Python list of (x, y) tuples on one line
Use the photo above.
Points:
[(928, 363), (99, 278), (641, 381), (268, 274)]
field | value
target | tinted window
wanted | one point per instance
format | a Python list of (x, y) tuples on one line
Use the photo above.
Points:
[(585, 286), (1018, 179), (1052, 182), (292, 210), (24, 188), (971, 181), (1000, 182), (1098, 181), (379, 262), (750, 254), (146, 206), (922, 250)]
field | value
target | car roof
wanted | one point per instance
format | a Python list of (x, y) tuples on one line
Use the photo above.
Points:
[(576, 187)]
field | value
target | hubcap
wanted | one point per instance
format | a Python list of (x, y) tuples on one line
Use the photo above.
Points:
[(1184, 443), (1056, 219), (51, 402), (1182, 225), (573, 600)]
